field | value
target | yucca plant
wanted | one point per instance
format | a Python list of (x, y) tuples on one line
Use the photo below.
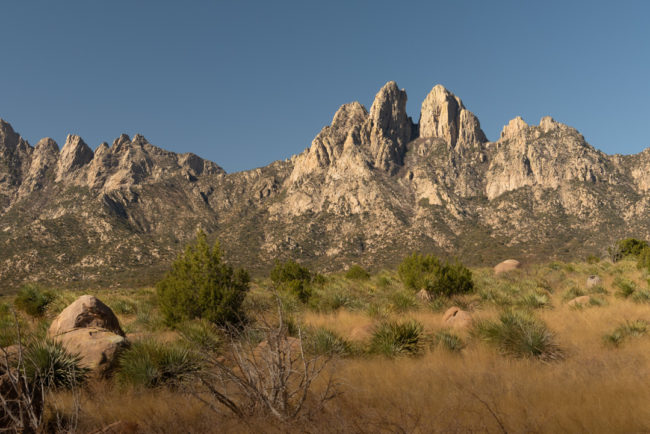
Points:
[(519, 334), (322, 341), (449, 341), (397, 338), (629, 328), (51, 364), (152, 364)]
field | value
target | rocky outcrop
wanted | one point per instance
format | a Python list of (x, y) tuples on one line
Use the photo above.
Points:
[(444, 116), (90, 328), (75, 154), (548, 156), (455, 317), (85, 312), (506, 266), (388, 128), (371, 188)]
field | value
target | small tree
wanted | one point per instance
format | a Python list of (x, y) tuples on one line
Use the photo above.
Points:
[(451, 279), (201, 285), (628, 247), (416, 269), (294, 278)]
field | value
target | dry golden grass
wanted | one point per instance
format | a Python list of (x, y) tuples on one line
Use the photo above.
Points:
[(594, 388)]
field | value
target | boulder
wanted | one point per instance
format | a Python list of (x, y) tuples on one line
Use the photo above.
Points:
[(580, 301), (457, 318), (97, 347), (593, 281), (86, 311), (506, 266), (423, 295)]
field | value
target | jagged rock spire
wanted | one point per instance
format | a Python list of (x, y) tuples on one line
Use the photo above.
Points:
[(74, 154), (389, 128), (444, 116)]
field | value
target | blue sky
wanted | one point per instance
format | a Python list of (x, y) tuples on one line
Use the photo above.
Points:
[(244, 83)]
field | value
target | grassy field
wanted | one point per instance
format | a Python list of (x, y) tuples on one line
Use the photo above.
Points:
[(581, 369)]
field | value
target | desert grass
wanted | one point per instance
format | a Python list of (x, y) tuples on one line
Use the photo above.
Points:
[(457, 383)]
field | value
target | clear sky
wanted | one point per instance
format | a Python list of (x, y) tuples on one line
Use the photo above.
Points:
[(244, 83)]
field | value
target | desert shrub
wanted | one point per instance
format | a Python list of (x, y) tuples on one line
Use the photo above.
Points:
[(202, 334), (630, 328), (201, 285), (124, 307), (628, 247), (592, 259), (357, 272), (293, 278), (534, 300), (329, 301), (383, 282), (319, 279), (625, 287), (427, 272), (450, 279), (49, 363), (518, 334), (153, 364), (415, 270), (572, 293), (641, 296), (397, 338), (322, 341), (449, 340), (644, 259), (33, 299), (402, 301)]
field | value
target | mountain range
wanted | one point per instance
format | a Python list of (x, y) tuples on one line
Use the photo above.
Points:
[(373, 186)]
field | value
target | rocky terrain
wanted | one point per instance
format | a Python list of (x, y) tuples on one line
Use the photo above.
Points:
[(373, 186)]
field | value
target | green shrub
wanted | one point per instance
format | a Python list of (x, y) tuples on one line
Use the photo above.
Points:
[(644, 259), (427, 272), (202, 334), (153, 364), (402, 301), (322, 341), (641, 296), (630, 328), (201, 285), (33, 299), (397, 338), (592, 259), (357, 272), (518, 334), (50, 363), (534, 300), (416, 268), (450, 279), (628, 247), (449, 341), (293, 278), (124, 307), (625, 288)]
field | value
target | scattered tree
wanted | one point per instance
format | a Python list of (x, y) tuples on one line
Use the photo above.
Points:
[(201, 285)]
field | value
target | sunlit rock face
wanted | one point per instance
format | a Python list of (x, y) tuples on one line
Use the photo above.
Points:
[(372, 187)]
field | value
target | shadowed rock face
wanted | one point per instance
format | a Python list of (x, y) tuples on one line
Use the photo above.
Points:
[(372, 187)]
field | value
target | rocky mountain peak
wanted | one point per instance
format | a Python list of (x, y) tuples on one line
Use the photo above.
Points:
[(514, 128), (388, 129), (444, 116), (349, 115), (121, 141), (74, 155)]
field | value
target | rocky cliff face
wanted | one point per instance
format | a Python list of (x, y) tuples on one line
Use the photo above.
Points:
[(372, 187)]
